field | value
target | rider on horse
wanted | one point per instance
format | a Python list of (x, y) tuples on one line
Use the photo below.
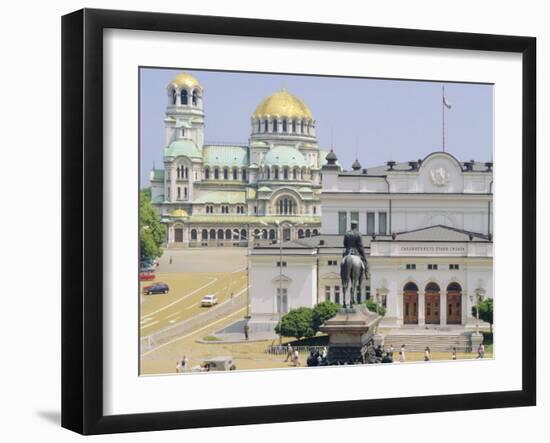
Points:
[(353, 244)]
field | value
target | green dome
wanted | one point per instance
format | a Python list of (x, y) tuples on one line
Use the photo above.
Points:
[(284, 156), (185, 148)]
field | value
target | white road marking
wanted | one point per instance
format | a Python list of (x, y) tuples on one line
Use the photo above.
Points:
[(172, 315), (149, 324), (215, 279), (192, 333)]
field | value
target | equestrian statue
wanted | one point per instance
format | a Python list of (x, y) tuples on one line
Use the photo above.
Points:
[(354, 264)]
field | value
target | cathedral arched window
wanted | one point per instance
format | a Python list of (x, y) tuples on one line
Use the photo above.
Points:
[(186, 173), (308, 233), (268, 173), (225, 173), (235, 173), (216, 174), (275, 126), (204, 234), (300, 233), (228, 234), (185, 193), (285, 173), (195, 95), (173, 96), (294, 174), (193, 234), (276, 173), (264, 234), (287, 206), (220, 234), (259, 126), (212, 234), (184, 98), (284, 125), (294, 126), (206, 173), (266, 126), (272, 234), (243, 234), (302, 126), (315, 232), (243, 174), (301, 174)]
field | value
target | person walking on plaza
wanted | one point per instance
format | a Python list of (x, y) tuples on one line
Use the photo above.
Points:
[(481, 351), (427, 354), (182, 364), (296, 358), (453, 356), (289, 354), (390, 351), (402, 354), (246, 331)]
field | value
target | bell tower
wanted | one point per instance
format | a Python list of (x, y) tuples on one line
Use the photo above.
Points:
[(184, 118)]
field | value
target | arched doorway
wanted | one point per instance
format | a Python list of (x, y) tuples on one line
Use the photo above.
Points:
[(410, 304), (178, 234), (454, 304), (220, 234), (204, 234), (193, 234), (431, 303), (228, 234), (212, 234)]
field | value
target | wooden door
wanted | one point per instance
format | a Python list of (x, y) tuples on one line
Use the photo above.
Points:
[(432, 307), (410, 307), (454, 307), (178, 235)]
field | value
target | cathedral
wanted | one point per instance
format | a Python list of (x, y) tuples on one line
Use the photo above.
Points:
[(230, 195)]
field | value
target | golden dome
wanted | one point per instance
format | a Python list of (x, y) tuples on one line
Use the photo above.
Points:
[(179, 213), (283, 104), (185, 80)]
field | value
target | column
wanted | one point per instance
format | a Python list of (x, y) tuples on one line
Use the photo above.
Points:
[(443, 308), (178, 97), (421, 308)]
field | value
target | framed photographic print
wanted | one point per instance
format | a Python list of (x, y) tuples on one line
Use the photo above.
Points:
[(271, 221)]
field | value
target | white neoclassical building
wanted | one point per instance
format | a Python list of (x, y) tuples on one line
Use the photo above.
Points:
[(427, 231), (216, 194)]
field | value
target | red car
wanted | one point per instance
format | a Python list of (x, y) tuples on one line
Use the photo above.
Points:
[(146, 276)]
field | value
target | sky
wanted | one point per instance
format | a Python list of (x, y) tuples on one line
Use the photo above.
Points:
[(375, 120)]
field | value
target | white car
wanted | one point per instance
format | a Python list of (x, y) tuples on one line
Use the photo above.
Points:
[(209, 300)]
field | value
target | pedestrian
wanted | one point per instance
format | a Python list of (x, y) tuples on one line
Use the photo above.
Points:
[(246, 331), (481, 351), (324, 353), (170, 259), (402, 354), (427, 354), (296, 358), (453, 356), (387, 358), (289, 354), (390, 350)]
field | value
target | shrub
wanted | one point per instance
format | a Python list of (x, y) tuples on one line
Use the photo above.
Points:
[(322, 312), (485, 311), (297, 323), (375, 307)]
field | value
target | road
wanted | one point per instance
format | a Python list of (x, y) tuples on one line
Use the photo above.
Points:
[(191, 274)]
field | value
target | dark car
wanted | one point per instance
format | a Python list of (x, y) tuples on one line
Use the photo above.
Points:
[(156, 288)]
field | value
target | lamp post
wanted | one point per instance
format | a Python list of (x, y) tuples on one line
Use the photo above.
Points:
[(479, 294)]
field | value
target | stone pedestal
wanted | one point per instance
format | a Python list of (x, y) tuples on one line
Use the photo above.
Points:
[(349, 333)]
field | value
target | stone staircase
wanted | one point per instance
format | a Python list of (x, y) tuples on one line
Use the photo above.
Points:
[(438, 341)]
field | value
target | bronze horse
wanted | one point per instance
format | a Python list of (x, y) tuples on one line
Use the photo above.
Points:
[(351, 273)]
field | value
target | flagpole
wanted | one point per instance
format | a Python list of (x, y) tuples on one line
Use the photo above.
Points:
[(443, 115)]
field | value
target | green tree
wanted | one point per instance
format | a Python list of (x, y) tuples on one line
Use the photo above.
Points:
[(485, 311), (297, 323), (322, 312), (375, 307), (151, 230)]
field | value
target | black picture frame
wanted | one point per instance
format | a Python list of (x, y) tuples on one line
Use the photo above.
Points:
[(82, 217)]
